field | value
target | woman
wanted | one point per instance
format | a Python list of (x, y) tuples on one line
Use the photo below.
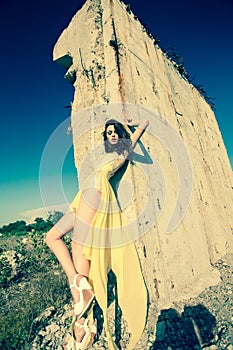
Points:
[(98, 225)]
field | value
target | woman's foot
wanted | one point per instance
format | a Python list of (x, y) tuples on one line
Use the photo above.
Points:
[(82, 294), (78, 332), (82, 336)]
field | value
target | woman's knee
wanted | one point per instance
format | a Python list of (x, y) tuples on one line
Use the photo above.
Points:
[(48, 238), (51, 237), (63, 226)]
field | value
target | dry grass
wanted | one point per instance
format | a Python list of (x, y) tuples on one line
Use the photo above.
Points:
[(38, 284)]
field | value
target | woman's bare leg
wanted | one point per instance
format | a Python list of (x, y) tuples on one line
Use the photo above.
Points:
[(80, 222), (77, 263), (89, 204), (57, 245)]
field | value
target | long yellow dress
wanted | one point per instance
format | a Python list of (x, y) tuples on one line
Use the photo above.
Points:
[(108, 246)]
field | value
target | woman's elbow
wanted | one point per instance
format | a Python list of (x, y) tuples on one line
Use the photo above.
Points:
[(145, 123)]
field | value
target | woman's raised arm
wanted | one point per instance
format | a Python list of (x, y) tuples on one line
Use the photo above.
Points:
[(141, 127)]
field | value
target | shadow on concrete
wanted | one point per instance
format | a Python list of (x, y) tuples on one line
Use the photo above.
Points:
[(112, 297), (134, 157), (191, 330)]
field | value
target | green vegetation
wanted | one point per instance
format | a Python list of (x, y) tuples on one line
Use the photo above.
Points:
[(20, 227), (31, 280)]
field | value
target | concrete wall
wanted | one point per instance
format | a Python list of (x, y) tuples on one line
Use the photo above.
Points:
[(111, 61)]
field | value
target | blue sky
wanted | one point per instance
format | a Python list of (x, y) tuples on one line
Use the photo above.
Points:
[(34, 92)]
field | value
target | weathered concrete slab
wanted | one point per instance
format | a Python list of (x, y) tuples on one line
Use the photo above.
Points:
[(112, 62)]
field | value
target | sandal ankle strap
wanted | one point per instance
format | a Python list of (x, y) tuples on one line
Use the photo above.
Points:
[(84, 325), (74, 284), (83, 283)]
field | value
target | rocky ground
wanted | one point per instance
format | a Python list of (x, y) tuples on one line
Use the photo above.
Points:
[(203, 322)]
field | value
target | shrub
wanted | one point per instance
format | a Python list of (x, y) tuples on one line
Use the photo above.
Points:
[(30, 282)]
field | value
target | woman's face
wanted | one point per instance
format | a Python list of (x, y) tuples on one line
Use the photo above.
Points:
[(111, 134)]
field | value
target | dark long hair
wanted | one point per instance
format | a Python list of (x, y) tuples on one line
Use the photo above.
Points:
[(124, 142)]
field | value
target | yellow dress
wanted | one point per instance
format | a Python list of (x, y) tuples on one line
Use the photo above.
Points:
[(108, 246)]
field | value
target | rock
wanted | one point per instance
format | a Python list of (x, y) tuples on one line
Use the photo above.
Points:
[(230, 347), (53, 328), (211, 311), (13, 259)]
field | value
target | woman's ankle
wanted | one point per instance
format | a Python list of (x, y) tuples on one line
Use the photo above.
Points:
[(80, 277)]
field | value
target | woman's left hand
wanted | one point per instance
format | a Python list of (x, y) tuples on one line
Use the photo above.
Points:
[(128, 120)]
